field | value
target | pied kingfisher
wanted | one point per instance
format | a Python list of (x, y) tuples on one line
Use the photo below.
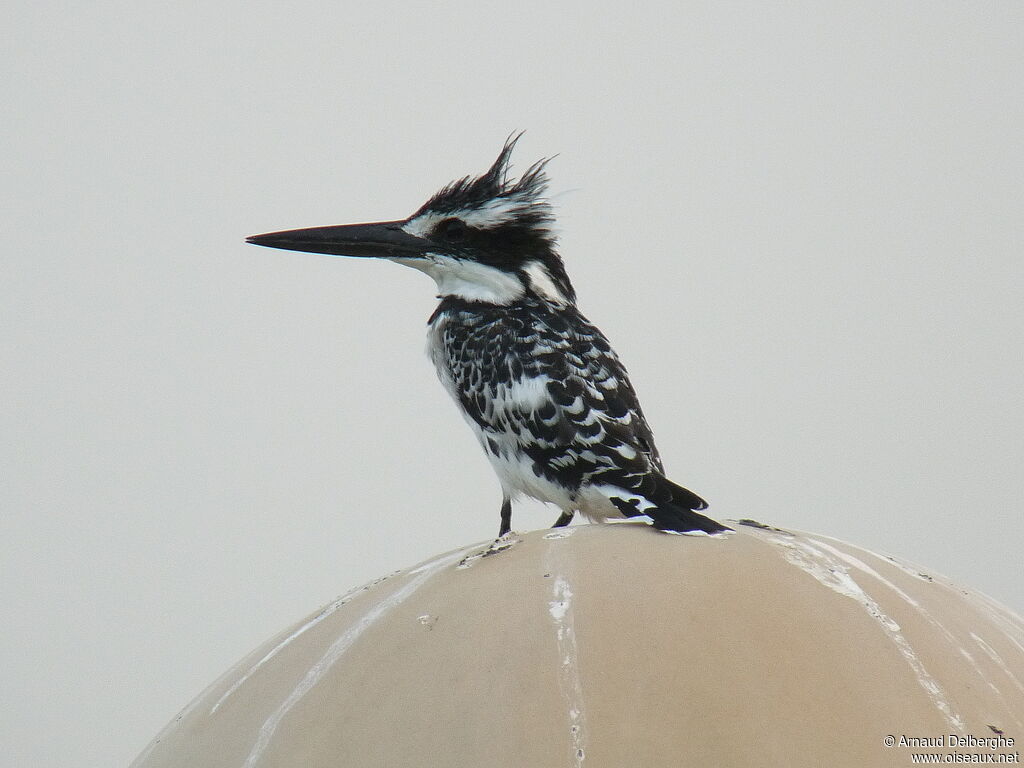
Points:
[(538, 384)]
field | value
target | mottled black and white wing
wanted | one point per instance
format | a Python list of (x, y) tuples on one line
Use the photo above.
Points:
[(555, 411)]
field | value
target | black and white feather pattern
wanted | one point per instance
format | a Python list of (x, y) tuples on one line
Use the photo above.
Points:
[(555, 412), (542, 389)]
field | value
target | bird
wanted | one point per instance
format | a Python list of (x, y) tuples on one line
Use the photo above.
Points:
[(540, 386)]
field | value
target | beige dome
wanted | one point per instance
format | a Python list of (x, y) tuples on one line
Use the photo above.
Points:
[(617, 646)]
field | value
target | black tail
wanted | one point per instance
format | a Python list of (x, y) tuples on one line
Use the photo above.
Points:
[(676, 509)]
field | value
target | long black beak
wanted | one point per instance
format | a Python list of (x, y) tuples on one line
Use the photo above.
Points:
[(382, 240)]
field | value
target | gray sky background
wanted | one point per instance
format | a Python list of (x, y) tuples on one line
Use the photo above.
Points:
[(801, 228)]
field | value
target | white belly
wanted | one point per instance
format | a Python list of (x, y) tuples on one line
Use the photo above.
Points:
[(516, 475)]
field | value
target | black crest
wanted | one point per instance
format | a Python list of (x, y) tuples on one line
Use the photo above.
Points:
[(472, 192)]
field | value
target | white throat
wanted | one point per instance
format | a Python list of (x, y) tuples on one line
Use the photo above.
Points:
[(468, 280)]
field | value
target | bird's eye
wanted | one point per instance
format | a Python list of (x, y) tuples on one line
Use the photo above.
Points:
[(453, 230)]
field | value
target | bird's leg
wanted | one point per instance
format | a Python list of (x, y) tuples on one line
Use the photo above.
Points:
[(506, 516), (564, 519), (503, 542)]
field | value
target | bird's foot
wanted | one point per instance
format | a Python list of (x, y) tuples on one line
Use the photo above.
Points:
[(762, 526), (500, 544), (507, 540)]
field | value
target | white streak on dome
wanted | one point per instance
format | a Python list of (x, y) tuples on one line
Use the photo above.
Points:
[(561, 533), (560, 607), (834, 575), (330, 609), (991, 653), (1011, 624), (338, 648), (908, 568), (860, 565), (943, 630)]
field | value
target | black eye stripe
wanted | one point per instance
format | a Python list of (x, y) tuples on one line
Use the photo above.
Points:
[(452, 229)]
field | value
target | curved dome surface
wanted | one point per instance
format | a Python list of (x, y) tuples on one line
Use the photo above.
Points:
[(616, 645)]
